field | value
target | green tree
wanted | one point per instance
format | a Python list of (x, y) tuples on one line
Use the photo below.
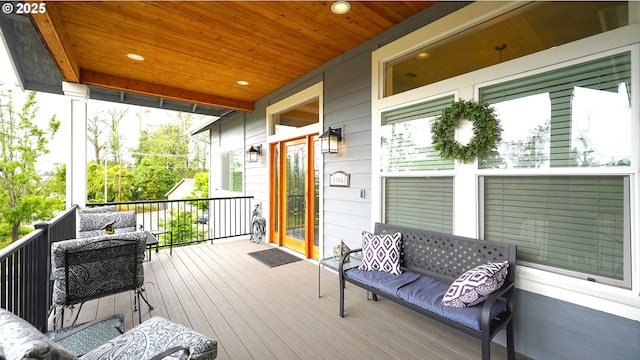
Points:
[(119, 183), (200, 185), (22, 191), (56, 182), (161, 160)]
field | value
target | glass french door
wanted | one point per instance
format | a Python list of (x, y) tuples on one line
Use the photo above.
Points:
[(295, 187)]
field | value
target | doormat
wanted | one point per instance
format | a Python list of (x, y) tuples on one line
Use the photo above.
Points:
[(274, 257)]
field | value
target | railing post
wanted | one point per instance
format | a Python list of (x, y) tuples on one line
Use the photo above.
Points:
[(42, 269)]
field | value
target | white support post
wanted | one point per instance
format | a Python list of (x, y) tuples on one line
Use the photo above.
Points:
[(77, 160)]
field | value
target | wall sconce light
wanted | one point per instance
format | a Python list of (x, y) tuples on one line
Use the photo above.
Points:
[(253, 153), (329, 140)]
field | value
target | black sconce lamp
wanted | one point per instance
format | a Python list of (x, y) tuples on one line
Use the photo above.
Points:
[(329, 140), (253, 153)]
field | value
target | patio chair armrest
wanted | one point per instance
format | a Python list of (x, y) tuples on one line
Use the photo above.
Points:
[(117, 321), (81, 339), (162, 355)]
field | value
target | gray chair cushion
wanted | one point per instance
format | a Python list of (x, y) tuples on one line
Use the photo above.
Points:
[(95, 233), (92, 222), (20, 340), (98, 209), (152, 337)]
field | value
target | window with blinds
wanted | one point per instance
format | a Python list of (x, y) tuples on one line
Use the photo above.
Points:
[(574, 225), (231, 174), (406, 138), (577, 116), (419, 202)]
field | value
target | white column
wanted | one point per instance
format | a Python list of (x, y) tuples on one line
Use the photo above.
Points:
[(465, 185), (77, 160)]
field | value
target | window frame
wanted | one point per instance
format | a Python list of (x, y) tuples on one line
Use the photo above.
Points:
[(625, 283), (226, 172), (599, 296), (628, 171)]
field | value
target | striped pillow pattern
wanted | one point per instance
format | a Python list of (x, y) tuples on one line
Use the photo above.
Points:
[(381, 252)]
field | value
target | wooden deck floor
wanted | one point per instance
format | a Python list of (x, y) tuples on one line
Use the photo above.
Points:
[(257, 312)]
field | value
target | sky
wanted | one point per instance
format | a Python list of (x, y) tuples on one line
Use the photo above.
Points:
[(60, 106)]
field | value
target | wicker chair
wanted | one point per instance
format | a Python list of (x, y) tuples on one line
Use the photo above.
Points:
[(91, 268)]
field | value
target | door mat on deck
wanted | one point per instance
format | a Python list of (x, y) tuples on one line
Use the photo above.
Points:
[(274, 257)]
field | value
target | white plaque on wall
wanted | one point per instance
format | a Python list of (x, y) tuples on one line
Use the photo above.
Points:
[(339, 178)]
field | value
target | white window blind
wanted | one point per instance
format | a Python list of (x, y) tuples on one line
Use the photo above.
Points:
[(419, 202), (577, 116), (577, 225)]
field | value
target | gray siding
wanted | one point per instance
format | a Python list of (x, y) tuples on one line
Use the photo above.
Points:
[(347, 104), (546, 328)]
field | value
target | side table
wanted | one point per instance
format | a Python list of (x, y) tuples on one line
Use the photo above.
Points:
[(333, 265), (155, 233), (151, 241)]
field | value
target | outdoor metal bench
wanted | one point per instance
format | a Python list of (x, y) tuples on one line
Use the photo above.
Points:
[(433, 261)]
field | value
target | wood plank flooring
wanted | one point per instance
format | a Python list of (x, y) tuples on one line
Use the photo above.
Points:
[(257, 312)]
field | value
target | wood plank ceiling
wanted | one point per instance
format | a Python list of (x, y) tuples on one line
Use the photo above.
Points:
[(198, 51)]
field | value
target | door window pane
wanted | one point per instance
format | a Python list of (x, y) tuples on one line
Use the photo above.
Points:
[(287, 122), (296, 187)]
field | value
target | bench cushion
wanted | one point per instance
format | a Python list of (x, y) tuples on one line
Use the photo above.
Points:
[(386, 282), (424, 292), (427, 293)]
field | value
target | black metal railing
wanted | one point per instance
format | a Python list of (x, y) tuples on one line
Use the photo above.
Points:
[(192, 220), (25, 289), (25, 265)]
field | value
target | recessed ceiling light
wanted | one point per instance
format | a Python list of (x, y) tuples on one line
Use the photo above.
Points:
[(135, 57), (340, 7), (423, 55), (243, 82)]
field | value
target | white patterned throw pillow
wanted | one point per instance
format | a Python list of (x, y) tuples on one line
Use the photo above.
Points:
[(381, 252), (475, 285)]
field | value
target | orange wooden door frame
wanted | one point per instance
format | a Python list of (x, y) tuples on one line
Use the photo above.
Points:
[(278, 196)]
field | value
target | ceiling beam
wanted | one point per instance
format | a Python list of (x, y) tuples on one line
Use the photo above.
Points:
[(145, 88), (51, 30)]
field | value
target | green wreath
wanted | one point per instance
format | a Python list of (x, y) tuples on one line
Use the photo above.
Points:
[(486, 130)]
